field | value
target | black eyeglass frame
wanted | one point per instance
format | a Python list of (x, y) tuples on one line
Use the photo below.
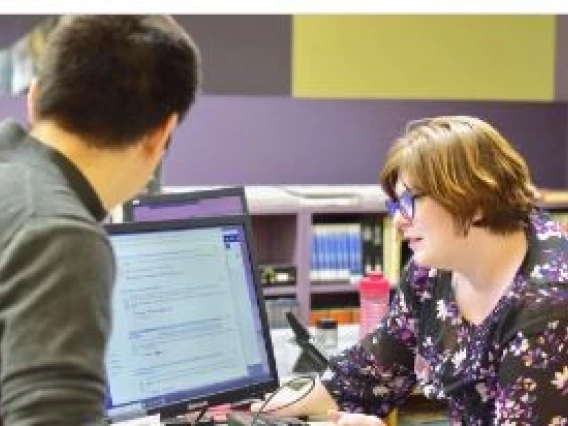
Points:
[(405, 204)]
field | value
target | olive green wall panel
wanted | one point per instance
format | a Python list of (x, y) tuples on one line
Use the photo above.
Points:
[(477, 57)]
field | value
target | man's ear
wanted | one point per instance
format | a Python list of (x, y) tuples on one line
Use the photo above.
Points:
[(158, 140), (31, 101)]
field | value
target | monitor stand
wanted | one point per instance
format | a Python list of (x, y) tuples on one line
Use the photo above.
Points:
[(311, 359)]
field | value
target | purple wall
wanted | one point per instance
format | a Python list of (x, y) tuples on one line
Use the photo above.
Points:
[(243, 54), (278, 140), (13, 108), (15, 26)]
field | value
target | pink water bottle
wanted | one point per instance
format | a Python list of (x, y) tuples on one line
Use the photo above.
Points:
[(374, 301)]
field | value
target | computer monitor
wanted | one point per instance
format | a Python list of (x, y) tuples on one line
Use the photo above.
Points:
[(189, 323), (186, 204)]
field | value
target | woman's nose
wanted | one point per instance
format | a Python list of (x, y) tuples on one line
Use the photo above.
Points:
[(399, 220)]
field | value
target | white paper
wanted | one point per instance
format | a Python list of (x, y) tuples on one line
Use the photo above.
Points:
[(143, 421)]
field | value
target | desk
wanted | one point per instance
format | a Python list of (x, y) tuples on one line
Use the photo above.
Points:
[(286, 352)]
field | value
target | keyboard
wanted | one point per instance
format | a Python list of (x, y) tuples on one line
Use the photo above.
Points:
[(245, 418)]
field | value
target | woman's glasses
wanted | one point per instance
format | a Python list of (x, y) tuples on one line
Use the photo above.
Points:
[(405, 204)]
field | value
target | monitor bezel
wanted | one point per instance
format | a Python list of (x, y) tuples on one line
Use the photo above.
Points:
[(188, 196), (257, 390)]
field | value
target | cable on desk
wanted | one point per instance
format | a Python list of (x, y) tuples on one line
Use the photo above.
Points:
[(184, 421), (303, 377)]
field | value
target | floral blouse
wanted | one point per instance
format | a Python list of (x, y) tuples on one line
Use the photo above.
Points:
[(512, 369)]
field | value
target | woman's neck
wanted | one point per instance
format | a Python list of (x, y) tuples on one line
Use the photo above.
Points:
[(490, 259), (490, 266)]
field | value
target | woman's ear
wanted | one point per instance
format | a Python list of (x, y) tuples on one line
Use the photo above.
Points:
[(476, 220), (477, 217)]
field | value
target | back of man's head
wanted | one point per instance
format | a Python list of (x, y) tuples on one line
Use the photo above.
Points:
[(110, 79)]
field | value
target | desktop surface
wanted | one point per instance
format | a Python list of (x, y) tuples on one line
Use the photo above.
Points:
[(286, 351)]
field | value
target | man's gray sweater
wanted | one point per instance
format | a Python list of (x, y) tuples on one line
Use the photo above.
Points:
[(56, 276)]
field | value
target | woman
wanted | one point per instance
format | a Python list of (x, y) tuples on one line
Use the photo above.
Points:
[(481, 315)]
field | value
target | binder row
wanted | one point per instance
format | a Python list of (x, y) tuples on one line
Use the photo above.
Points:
[(345, 251)]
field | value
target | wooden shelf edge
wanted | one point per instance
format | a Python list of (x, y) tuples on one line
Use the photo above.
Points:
[(285, 290)]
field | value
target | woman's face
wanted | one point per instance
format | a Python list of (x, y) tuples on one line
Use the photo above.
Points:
[(430, 232)]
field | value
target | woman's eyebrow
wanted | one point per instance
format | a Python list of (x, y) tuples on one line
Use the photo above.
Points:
[(406, 187), (409, 188), (397, 195)]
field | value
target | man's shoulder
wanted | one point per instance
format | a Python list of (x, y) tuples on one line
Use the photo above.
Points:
[(36, 193), (37, 180), (10, 131), (31, 207), (60, 202), (26, 196)]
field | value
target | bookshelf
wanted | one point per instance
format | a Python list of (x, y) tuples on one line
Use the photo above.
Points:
[(321, 216)]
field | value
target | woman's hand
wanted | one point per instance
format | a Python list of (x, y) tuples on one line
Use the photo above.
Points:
[(306, 401), (342, 418), (283, 398)]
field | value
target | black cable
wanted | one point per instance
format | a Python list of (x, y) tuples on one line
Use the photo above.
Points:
[(200, 415), (185, 421), (310, 377)]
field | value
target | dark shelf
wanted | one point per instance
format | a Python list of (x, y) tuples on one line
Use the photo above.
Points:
[(327, 287)]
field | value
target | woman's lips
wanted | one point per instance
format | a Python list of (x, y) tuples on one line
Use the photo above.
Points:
[(413, 242)]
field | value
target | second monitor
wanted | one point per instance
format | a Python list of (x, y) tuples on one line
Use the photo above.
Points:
[(187, 204)]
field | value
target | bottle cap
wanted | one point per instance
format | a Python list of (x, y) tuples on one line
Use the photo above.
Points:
[(326, 323), (376, 274), (374, 283)]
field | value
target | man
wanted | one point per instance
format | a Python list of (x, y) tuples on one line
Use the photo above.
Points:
[(109, 93)]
